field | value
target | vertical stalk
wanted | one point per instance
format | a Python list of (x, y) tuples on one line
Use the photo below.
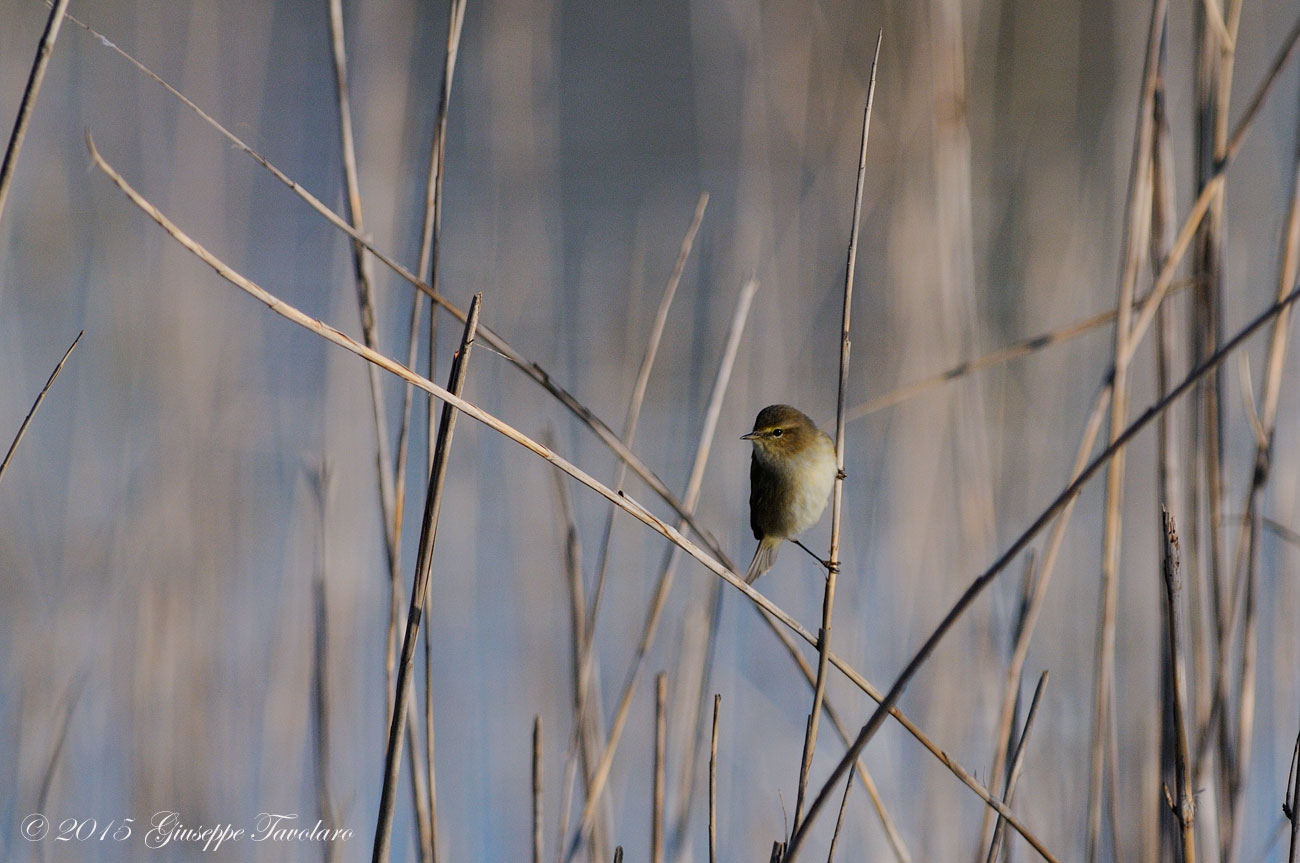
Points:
[(837, 495), (419, 590)]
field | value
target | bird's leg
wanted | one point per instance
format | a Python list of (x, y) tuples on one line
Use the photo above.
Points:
[(840, 474), (830, 567)]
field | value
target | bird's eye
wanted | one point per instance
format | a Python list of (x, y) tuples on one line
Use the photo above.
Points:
[(776, 432)]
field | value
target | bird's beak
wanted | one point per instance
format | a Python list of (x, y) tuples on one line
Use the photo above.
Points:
[(749, 436)]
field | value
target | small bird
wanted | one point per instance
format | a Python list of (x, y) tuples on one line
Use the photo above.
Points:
[(790, 477)]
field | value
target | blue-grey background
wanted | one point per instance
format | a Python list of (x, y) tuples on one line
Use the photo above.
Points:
[(158, 528)]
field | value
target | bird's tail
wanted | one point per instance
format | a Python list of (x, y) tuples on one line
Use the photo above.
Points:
[(764, 557)]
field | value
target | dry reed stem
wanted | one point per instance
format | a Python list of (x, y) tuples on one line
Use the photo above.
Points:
[(695, 676), (1167, 486), (1206, 323), (40, 397), (428, 261), (388, 505), (629, 437), (660, 769), (986, 578), (1017, 764), (837, 494), (694, 485), (713, 781), (723, 569), (391, 489), (25, 107), (1136, 238), (839, 820), (537, 789), (1185, 810), (1291, 802), (420, 587), (1012, 351), (577, 622)]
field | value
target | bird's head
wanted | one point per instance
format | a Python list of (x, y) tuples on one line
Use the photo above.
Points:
[(781, 431)]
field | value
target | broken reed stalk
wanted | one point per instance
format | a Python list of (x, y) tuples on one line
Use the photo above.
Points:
[(1162, 216), (694, 486), (660, 769), (1017, 763), (40, 397), (1184, 808), (1137, 229), (537, 789), (987, 577), (419, 590), (837, 494), (713, 781), (25, 107)]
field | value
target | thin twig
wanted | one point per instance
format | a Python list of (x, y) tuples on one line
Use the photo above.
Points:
[(28, 103), (419, 590), (579, 739), (839, 820), (1292, 795), (40, 397), (660, 769), (537, 789), (1014, 350), (837, 495), (1017, 763), (987, 577), (713, 781), (1185, 812)]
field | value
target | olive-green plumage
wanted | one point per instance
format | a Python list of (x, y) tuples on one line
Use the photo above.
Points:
[(790, 477)]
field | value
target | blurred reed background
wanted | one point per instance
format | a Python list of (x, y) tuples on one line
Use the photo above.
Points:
[(201, 463)]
